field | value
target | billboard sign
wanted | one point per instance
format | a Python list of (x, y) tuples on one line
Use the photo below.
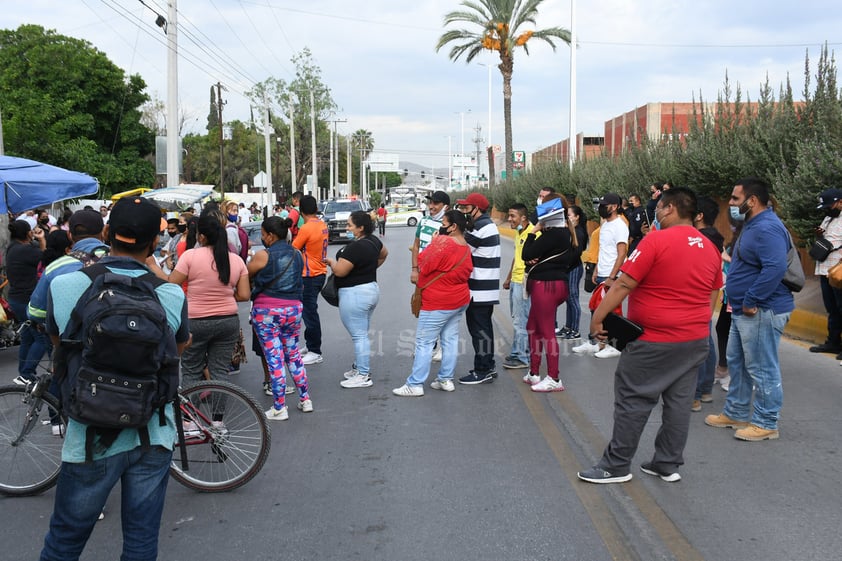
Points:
[(518, 159), (381, 161)]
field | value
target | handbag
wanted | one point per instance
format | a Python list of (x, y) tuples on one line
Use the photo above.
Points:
[(239, 355), (621, 330), (329, 291), (590, 285), (415, 299), (526, 273), (834, 275), (821, 249)]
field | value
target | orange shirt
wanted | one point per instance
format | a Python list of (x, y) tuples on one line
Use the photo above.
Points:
[(312, 241)]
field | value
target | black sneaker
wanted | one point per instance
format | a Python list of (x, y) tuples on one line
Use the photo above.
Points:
[(649, 468), (475, 378), (826, 347), (599, 475)]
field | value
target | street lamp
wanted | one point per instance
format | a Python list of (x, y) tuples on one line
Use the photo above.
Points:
[(462, 149), (488, 143)]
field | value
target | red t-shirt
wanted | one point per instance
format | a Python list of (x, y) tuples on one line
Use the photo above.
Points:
[(450, 291), (677, 269)]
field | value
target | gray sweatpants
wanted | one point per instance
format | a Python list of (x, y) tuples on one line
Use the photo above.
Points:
[(213, 344), (646, 372)]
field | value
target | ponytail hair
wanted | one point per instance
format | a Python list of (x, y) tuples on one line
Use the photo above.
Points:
[(214, 233)]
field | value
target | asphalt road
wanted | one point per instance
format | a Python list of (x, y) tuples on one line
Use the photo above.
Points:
[(489, 472)]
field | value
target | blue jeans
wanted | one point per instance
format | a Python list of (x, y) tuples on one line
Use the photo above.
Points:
[(432, 324), (356, 304), (520, 313), (33, 343), (83, 489), (574, 308), (312, 323), (754, 365)]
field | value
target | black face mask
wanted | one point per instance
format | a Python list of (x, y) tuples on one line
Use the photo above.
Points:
[(832, 212), (182, 228), (603, 211), (443, 231)]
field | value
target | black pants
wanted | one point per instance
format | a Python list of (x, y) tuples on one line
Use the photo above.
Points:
[(832, 298), (478, 319), (381, 225), (723, 327)]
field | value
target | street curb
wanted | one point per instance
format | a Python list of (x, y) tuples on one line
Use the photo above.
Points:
[(803, 324)]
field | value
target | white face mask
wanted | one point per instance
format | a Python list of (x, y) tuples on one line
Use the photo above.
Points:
[(540, 201), (439, 215)]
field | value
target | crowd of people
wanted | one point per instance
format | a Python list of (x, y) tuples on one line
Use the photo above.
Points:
[(664, 260)]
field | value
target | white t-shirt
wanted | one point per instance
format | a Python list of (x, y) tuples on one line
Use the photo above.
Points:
[(610, 234), (833, 233)]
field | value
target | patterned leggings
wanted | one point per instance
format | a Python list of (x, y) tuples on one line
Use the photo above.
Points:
[(278, 330)]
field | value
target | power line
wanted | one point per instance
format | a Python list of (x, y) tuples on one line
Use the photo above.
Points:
[(265, 44), (248, 50)]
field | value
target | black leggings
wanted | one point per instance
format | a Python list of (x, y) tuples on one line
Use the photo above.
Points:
[(723, 326)]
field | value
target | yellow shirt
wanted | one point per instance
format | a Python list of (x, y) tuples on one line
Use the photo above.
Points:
[(589, 255), (519, 267)]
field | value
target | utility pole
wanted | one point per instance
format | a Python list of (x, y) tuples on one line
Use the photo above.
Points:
[(334, 177), (294, 184), (348, 166), (362, 140), (313, 135), (1, 134), (478, 139), (267, 187), (172, 95), (219, 104)]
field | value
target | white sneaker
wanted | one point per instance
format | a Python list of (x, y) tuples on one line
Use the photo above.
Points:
[(351, 373), (409, 391), (289, 388), (585, 348), (548, 385), (607, 352), (312, 358), (725, 382), (305, 406), (358, 381), (281, 414), (443, 385), (531, 379), (437, 354)]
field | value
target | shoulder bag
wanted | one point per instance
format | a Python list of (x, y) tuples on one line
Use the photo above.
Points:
[(526, 273), (415, 299), (821, 249), (834, 276), (794, 275)]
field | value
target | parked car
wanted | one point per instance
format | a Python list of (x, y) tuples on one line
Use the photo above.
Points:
[(404, 216), (336, 213)]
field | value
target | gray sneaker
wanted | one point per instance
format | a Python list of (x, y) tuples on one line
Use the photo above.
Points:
[(511, 362), (599, 475)]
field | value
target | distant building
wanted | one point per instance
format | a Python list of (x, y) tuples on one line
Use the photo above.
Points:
[(587, 147), (655, 121)]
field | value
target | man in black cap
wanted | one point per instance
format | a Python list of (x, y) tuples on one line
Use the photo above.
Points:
[(143, 471), (830, 201)]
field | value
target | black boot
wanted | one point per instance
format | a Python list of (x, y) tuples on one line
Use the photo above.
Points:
[(827, 347)]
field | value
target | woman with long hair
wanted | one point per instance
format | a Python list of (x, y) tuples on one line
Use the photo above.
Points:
[(355, 268), (443, 270), (22, 260), (58, 244), (575, 219), (548, 257), (276, 313), (217, 280)]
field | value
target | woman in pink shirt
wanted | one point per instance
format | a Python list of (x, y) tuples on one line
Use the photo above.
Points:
[(218, 280)]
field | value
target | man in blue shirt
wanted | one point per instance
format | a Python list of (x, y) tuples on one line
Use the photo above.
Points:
[(761, 307), (83, 487)]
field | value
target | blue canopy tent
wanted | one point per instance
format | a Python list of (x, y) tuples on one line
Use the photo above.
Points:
[(27, 184)]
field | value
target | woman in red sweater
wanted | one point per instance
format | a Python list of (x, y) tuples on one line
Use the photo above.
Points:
[(443, 271)]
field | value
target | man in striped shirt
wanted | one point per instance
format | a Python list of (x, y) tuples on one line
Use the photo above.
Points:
[(484, 282)]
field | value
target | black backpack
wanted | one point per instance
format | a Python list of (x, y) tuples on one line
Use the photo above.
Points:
[(117, 363)]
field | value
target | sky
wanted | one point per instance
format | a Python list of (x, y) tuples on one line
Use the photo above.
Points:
[(378, 58)]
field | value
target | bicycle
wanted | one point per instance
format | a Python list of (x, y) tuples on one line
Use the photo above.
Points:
[(225, 435)]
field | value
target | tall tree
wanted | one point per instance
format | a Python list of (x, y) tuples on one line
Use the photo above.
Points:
[(498, 27), (66, 104)]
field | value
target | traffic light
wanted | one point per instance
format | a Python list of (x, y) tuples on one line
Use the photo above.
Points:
[(422, 174), (405, 172)]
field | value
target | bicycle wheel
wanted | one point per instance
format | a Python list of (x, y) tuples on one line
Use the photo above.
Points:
[(228, 440), (29, 463)]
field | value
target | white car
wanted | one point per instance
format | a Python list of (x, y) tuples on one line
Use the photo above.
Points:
[(404, 217)]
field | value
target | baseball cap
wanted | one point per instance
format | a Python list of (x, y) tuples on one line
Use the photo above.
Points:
[(610, 199), (135, 220), (475, 199), (85, 223), (828, 197), (439, 197)]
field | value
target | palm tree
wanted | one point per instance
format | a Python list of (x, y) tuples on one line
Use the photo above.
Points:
[(499, 24)]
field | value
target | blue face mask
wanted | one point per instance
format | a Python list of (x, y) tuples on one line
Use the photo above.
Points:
[(736, 215), (349, 234), (656, 224), (519, 227), (233, 217)]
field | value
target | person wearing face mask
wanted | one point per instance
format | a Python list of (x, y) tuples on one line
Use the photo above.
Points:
[(613, 247), (484, 239), (444, 270), (437, 204), (518, 303), (830, 201), (355, 268), (238, 239), (760, 308), (542, 194)]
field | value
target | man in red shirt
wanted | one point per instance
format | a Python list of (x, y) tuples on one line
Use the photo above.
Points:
[(672, 280)]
